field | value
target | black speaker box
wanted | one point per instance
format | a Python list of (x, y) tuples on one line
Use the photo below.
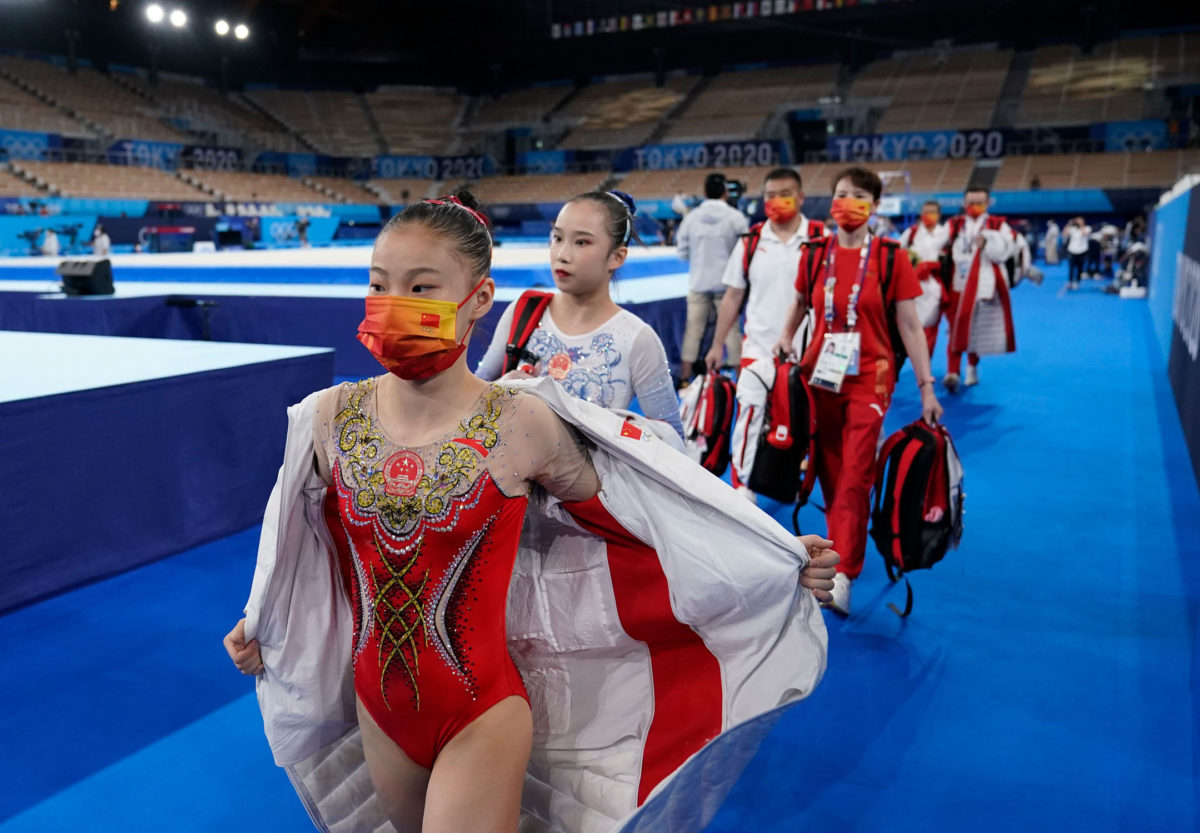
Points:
[(86, 277)]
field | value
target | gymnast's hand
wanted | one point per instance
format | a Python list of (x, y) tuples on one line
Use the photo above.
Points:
[(818, 575), (244, 654)]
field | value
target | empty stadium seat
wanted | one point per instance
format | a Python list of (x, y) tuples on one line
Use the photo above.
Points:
[(84, 179), (255, 187)]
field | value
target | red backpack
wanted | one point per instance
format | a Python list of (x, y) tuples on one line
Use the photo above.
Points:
[(917, 514), (707, 415), (526, 315), (784, 467)]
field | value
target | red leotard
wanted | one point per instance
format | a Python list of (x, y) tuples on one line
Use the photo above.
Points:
[(426, 540)]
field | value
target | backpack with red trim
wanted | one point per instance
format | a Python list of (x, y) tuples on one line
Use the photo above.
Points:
[(527, 312), (917, 514), (706, 411), (753, 237), (778, 458)]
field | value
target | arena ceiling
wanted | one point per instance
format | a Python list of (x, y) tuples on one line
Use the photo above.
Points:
[(481, 45)]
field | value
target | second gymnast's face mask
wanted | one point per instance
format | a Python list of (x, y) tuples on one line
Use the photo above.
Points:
[(850, 213), (414, 338)]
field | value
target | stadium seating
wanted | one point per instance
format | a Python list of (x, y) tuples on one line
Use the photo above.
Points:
[(334, 121), (12, 185), (1157, 169), (621, 113), (255, 187), (96, 98), (342, 189), (418, 189), (535, 188), (416, 120), (1118, 81), (21, 111), (663, 185), (935, 91), (86, 179), (734, 105), (208, 111), (519, 107)]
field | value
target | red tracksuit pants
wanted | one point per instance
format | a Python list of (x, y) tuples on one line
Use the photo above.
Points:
[(954, 360), (848, 425)]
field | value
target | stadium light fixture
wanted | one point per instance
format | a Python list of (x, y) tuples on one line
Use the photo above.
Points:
[(155, 13), (241, 31), (222, 27), (178, 18)]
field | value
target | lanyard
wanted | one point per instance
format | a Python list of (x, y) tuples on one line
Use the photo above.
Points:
[(831, 282)]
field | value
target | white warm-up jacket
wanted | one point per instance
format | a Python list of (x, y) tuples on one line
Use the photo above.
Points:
[(603, 702)]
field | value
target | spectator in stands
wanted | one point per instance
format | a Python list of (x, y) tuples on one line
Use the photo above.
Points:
[(50, 243), (1078, 234), (979, 245), (101, 244), (763, 279), (593, 348), (841, 277), (926, 239), (1050, 241), (705, 239)]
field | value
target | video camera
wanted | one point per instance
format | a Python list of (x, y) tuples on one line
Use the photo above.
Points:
[(735, 189)]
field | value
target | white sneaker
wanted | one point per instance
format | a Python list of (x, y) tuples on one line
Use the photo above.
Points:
[(950, 382), (840, 603), (972, 376), (745, 492)]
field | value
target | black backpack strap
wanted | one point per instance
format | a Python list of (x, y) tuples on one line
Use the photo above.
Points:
[(887, 271), (814, 255), (908, 603), (526, 315)]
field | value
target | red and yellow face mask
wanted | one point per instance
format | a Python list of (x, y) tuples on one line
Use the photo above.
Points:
[(780, 209), (976, 209), (850, 213), (930, 217), (414, 338)]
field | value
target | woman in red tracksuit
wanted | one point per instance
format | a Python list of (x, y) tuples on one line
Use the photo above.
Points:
[(844, 288)]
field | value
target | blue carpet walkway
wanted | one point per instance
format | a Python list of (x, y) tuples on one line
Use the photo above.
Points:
[(1044, 682)]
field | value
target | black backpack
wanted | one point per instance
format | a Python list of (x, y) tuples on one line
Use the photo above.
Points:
[(917, 514), (784, 467)]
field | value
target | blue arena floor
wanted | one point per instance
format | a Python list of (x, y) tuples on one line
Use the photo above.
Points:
[(1045, 681)]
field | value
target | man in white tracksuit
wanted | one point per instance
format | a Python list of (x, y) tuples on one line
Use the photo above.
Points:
[(705, 239)]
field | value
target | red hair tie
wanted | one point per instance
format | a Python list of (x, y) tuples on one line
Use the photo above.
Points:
[(451, 200)]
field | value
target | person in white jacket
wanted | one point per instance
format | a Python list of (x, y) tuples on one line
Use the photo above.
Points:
[(383, 626), (705, 239), (979, 308)]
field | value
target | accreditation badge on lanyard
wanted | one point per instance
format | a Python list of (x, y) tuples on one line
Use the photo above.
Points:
[(840, 351)]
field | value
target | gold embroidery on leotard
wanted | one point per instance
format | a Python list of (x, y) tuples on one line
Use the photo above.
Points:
[(408, 618)]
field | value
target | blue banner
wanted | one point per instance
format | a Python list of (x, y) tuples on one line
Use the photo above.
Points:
[(212, 158), (432, 167), (24, 235), (543, 161), (701, 155), (925, 144), (24, 144), (163, 155), (1135, 135)]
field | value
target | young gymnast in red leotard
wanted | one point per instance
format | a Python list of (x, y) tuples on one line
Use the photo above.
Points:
[(428, 471)]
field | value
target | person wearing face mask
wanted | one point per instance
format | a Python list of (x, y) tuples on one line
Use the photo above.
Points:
[(862, 292), (926, 239), (761, 268), (583, 340), (462, 585), (979, 246)]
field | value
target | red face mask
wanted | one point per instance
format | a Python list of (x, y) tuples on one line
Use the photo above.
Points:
[(850, 213), (976, 209), (780, 209), (929, 218), (414, 338)]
